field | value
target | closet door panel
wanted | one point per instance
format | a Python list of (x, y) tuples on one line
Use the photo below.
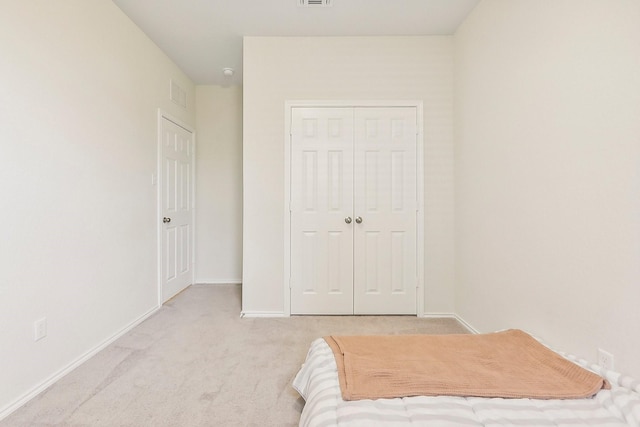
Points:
[(385, 275), (321, 199)]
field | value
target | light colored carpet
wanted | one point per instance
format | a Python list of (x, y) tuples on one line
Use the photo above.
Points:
[(197, 363)]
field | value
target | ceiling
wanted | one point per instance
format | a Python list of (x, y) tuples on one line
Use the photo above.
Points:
[(205, 36)]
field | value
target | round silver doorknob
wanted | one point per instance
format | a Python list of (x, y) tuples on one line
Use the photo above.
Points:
[(358, 220), (165, 219), (348, 220)]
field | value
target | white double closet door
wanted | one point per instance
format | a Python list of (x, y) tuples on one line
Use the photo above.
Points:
[(353, 210)]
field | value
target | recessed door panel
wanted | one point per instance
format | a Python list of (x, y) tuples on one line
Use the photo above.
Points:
[(185, 186), (171, 176), (371, 180), (309, 259), (185, 248), (171, 256), (398, 258), (310, 180), (370, 259), (397, 181), (338, 285), (336, 181)]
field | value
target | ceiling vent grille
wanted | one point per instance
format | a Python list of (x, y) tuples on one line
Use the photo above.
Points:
[(315, 3)]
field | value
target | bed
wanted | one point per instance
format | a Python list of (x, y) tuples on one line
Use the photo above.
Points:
[(318, 383)]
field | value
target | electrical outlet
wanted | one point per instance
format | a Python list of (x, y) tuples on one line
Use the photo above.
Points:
[(39, 329), (605, 359)]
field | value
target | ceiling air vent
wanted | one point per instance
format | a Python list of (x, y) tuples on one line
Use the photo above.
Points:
[(315, 3)]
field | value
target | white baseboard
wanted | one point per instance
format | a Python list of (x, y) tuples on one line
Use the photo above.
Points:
[(11, 407), (452, 316), (466, 325), (263, 314), (219, 282)]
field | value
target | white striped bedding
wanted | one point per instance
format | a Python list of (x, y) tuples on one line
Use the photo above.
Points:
[(317, 383)]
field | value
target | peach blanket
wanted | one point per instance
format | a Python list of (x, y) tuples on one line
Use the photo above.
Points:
[(509, 364)]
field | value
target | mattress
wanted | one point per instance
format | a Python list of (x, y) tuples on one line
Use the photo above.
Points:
[(317, 383)]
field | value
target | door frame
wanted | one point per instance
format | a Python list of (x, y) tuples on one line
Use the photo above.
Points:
[(158, 180), (288, 105)]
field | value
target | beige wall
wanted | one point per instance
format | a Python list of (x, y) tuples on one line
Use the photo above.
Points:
[(219, 184), (341, 68), (81, 88), (548, 172)]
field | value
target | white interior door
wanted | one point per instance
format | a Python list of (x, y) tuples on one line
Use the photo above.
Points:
[(385, 274), (321, 200), (176, 201), (353, 210)]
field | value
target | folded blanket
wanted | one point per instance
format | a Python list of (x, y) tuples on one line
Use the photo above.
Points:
[(509, 364)]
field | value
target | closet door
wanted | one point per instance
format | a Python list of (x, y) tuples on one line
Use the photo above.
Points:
[(353, 210), (321, 211), (385, 211)]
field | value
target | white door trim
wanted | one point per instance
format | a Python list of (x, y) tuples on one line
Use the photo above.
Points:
[(158, 183), (288, 105)]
